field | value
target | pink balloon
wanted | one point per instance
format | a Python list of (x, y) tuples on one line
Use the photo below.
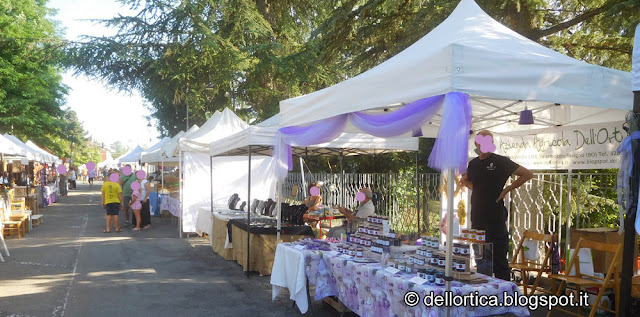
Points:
[(114, 177), (127, 170), (314, 191), (360, 196), (61, 169), (91, 166), (141, 174), (135, 185)]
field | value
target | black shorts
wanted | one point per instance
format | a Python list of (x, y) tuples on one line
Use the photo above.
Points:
[(113, 209)]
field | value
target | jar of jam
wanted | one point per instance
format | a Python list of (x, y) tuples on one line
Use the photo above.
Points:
[(422, 273), (434, 261), (440, 278), (456, 248), (441, 261), (461, 266), (465, 250), (431, 275), (428, 253), (401, 265), (359, 253), (480, 236), (472, 235), (409, 268), (465, 234), (340, 248)]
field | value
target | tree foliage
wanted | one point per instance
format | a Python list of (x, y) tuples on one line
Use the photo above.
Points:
[(211, 54), (31, 88)]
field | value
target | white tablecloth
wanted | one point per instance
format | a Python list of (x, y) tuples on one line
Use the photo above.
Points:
[(204, 222), (289, 272)]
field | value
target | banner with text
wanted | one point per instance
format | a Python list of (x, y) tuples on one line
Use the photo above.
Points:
[(574, 147)]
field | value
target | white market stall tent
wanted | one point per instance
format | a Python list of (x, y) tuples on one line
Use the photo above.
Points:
[(132, 156), (48, 157), (472, 64), (28, 152), (258, 140), (196, 185), (163, 155), (9, 148)]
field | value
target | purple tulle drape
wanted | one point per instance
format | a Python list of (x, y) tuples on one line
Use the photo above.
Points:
[(452, 144), (454, 130)]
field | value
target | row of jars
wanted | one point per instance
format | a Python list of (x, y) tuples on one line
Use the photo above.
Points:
[(351, 250), (461, 249), (473, 235), (368, 240), (458, 265), (378, 219)]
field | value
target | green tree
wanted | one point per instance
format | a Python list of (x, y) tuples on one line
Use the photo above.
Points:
[(249, 55), (31, 89), (118, 149)]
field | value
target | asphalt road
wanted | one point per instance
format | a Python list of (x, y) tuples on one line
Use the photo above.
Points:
[(68, 267)]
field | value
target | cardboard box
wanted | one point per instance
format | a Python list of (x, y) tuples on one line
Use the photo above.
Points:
[(601, 260)]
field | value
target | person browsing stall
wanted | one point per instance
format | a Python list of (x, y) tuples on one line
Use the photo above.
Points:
[(111, 201), (486, 176), (365, 209)]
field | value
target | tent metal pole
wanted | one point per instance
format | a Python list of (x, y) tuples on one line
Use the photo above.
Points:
[(629, 257), (418, 195), (448, 274), (249, 216), (211, 197), (180, 195), (341, 181), (278, 209)]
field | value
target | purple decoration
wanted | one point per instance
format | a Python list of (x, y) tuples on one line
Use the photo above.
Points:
[(91, 166), (360, 197), (454, 130), (114, 177), (61, 169), (452, 144), (127, 170), (314, 191), (141, 174), (135, 185)]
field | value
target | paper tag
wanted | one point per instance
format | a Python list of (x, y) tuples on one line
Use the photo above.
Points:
[(418, 280), (392, 270), (299, 247)]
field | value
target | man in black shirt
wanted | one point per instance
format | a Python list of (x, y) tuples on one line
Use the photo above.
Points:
[(486, 176)]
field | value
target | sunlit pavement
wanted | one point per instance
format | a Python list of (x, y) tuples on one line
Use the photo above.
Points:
[(68, 267)]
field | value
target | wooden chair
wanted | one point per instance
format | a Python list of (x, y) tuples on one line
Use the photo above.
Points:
[(519, 263), (582, 281), (9, 226)]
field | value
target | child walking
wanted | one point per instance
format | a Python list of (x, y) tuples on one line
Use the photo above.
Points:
[(136, 205)]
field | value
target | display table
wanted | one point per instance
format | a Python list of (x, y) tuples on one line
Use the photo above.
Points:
[(204, 223), (263, 245), (219, 236), (171, 204), (49, 194), (368, 290)]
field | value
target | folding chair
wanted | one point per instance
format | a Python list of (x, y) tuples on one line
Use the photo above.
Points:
[(611, 279), (520, 263)]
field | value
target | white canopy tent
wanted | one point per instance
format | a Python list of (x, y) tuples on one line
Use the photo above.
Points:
[(196, 187), (258, 140), (132, 156), (8, 147), (502, 72), (48, 157), (498, 68), (28, 152), (163, 154)]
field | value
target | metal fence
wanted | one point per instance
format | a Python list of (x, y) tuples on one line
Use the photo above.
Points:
[(550, 202)]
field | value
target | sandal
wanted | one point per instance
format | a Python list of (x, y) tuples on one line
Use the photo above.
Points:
[(136, 229), (146, 227), (106, 231)]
